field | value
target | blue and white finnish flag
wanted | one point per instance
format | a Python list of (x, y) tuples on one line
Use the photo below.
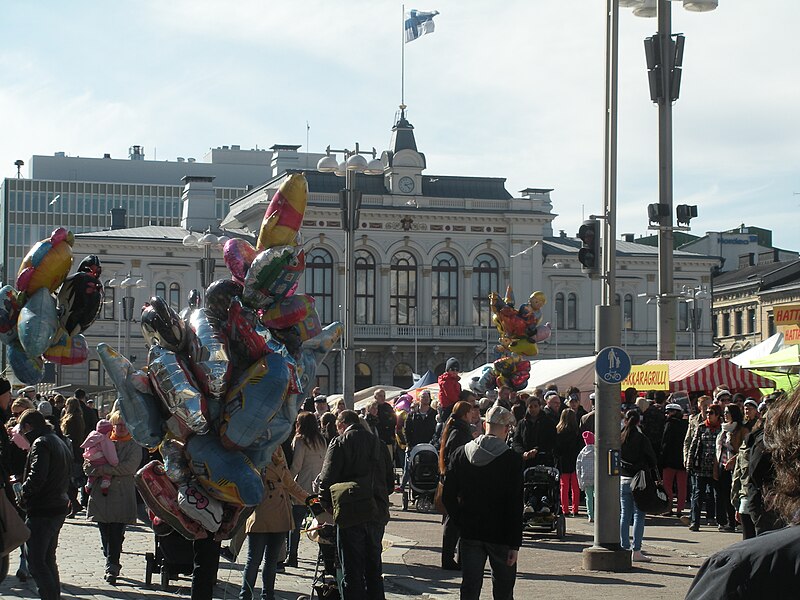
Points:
[(418, 23)]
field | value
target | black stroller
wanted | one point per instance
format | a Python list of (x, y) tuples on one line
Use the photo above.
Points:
[(327, 581), (171, 557), (541, 496), (423, 468)]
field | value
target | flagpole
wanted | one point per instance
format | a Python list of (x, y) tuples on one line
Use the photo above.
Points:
[(403, 55)]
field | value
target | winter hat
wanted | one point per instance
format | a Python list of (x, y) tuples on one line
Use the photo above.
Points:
[(320, 399), (500, 416), (452, 364), (588, 438), (720, 394), (5, 386), (673, 406), (642, 404), (45, 408), (104, 426), (751, 402)]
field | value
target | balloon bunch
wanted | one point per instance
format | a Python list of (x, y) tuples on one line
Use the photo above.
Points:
[(224, 381), (38, 326), (519, 328)]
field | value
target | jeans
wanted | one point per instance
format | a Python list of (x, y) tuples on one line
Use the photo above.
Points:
[(42, 555), (298, 514), (700, 493), (111, 536), (630, 513), (590, 501), (266, 547), (473, 560), (726, 515), (206, 565), (360, 557), (569, 482), (677, 476)]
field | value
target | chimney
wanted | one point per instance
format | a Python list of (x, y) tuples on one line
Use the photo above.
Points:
[(199, 203), (106, 155), (627, 237), (118, 218), (284, 158), (136, 153)]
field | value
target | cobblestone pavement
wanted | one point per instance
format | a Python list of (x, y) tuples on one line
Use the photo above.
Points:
[(547, 567)]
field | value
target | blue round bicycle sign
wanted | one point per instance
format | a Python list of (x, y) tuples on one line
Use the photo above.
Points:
[(612, 364)]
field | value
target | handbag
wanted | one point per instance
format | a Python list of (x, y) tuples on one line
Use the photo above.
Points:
[(438, 504), (648, 493), (353, 503), (13, 531)]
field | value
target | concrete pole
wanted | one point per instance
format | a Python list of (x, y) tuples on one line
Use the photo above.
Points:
[(666, 301)]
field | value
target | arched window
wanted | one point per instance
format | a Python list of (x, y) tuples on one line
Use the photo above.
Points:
[(323, 381), (161, 290), (572, 311), (485, 279), (365, 288), (445, 289), (402, 376), (403, 291), (175, 296), (319, 282), (627, 312), (95, 374), (559, 310), (363, 376)]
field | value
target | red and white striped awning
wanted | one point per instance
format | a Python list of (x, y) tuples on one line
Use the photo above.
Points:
[(707, 373)]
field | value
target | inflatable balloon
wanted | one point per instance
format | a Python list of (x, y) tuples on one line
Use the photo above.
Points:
[(10, 305), (233, 517), (288, 311), (91, 265), (177, 388), (47, 263), (255, 399), (219, 295), (194, 301), (518, 327), (162, 326), (284, 214), (79, 302), (227, 475), (140, 409), (28, 369), (238, 255), (175, 463), (210, 362), (161, 496), (38, 322), (273, 276), (67, 349), (199, 506), (247, 340)]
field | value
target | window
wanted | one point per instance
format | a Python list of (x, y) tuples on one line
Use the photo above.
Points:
[(175, 296), (771, 324), (445, 289), (485, 279), (726, 324), (715, 326), (363, 376), (365, 288), (559, 310), (627, 312), (751, 320), (737, 322), (109, 303), (161, 290), (403, 288), (95, 375), (319, 282), (402, 376), (323, 381), (683, 316), (572, 311)]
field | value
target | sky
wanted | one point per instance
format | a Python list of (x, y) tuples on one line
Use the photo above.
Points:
[(511, 89)]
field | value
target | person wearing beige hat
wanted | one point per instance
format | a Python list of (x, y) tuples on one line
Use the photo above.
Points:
[(483, 495)]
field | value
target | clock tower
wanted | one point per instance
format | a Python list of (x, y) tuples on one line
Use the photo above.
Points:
[(403, 164)]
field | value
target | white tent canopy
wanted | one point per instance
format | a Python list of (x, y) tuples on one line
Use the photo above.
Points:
[(362, 397), (765, 348)]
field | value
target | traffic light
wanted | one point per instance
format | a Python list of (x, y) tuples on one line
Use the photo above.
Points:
[(589, 254), (685, 213)]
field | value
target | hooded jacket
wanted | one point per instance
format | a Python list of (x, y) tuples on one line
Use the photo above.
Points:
[(449, 389), (483, 491)]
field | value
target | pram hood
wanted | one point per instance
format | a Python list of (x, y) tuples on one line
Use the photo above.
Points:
[(484, 449)]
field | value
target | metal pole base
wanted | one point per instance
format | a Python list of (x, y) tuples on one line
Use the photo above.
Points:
[(597, 558)]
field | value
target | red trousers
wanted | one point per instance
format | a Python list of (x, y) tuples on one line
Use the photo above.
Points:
[(569, 481), (678, 477)]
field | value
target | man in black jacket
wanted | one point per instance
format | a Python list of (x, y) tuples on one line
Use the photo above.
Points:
[(483, 495), (387, 421), (535, 436), (419, 428), (357, 455), (45, 500)]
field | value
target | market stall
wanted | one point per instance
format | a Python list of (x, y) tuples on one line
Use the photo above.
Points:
[(707, 373)]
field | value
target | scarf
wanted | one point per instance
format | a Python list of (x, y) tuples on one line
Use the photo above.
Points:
[(730, 427), (707, 423), (120, 438)]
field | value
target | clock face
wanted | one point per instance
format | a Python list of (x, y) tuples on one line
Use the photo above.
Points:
[(406, 185)]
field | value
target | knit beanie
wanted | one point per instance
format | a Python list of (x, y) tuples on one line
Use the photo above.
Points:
[(452, 363), (104, 426)]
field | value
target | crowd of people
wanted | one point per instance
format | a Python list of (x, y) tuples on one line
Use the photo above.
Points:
[(60, 459)]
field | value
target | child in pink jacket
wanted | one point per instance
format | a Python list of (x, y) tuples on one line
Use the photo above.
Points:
[(99, 449)]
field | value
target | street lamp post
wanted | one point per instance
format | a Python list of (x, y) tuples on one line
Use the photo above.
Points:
[(206, 241), (350, 205), (692, 296), (126, 308)]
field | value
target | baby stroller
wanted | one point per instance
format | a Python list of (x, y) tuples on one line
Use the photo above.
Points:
[(172, 555), (423, 467), (327, 581), (542, 502)]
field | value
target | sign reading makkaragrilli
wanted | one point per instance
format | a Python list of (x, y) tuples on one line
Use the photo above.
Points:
[(648, 377)]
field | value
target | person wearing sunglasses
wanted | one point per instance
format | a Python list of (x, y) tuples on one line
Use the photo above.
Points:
[(703, 463)]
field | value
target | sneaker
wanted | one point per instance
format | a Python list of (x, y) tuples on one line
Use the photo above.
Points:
[(22, 575), (694, 527), (226, 553), (639, 556), (280, 568), (450, 565), (590, 519)]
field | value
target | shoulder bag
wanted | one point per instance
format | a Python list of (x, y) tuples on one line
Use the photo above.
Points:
[(13, 531), (648, 493)]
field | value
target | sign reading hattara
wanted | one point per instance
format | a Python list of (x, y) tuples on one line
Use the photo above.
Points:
[(791, 336), (647, 377), (787, 314)]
